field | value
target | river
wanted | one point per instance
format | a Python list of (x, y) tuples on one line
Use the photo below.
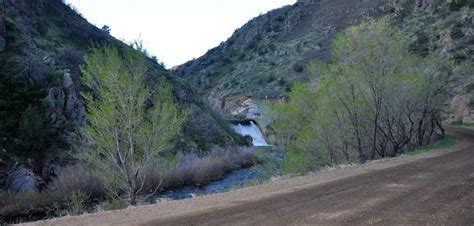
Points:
[(232, 180)]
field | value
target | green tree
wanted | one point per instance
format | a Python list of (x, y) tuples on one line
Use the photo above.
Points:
[(34, 133), (374, 100), (129, 125)]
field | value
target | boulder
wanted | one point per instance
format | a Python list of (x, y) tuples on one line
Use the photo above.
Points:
[(24, 180), (461, 106)]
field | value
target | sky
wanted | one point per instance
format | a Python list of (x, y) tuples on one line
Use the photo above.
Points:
[(175, 31)]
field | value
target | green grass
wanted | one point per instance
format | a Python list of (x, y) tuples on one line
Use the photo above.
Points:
[(448, 141), (462, 124)]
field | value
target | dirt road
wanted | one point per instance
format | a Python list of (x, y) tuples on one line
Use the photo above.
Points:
[(435, 188)]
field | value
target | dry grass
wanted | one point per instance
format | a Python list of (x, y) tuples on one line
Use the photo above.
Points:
[(200, 170), (30, 205), (78, 179), (57, 200)]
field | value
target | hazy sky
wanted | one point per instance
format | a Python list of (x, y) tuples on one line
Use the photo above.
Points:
[(174, 30)]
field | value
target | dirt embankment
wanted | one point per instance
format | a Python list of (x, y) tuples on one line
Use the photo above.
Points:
[(435, 188)]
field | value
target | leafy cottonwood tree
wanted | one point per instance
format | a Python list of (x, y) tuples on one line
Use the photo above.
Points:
[(129, 125), (375, 100)]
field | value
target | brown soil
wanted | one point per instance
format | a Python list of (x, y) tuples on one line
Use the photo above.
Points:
[(435, 188)]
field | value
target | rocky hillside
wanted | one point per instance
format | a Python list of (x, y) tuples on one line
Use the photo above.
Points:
[(264, 57), (42, 44)]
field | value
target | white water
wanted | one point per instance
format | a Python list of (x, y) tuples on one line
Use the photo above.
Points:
[(252, 130)]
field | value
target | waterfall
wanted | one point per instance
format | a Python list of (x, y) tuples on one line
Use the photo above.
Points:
[(251, 129)]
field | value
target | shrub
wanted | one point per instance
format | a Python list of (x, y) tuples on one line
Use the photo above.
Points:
[(34, 132), (271, 164), (197, 170), (281, 82), (298, 68), (157, 173), (252, 45), (457, 32), (280, 18), (22, 111), (455, 5), (208, 169), (113, 204), (277, 28), (31, 205), (78, 178), (271, 79), (70, 58), (77, 202), (298, 163)]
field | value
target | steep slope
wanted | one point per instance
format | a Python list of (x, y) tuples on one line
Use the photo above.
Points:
[(42, 44), (264, 57)]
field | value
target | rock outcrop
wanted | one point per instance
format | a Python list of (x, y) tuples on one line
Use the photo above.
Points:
[(462, 108), (66, 109), (24, 180)]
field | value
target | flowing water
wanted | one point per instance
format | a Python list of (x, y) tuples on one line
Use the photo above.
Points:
[(251, 129), (234, 179)]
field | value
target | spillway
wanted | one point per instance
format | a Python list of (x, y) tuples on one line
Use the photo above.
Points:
[(251, 129)]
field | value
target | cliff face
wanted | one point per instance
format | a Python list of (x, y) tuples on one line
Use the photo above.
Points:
[(264, 57)]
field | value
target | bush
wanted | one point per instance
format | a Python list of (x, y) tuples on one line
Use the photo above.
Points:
[(77, 202), (78, 178), (22, 111), (157, 173), (34, 132), (271, 164), (280, 18), (69, 192), (281, 82), (457, 32), (208, 169), (455, 5), (271, 79), (30, 205), (114, 204), (298, 163), (197, 170), (298, 68), (70, 58)]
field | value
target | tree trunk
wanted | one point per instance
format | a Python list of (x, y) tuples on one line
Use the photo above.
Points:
[(441, 128)]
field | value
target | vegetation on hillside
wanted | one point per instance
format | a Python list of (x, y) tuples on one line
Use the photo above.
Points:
[(375, 100), (273, 51), (40, 83)]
